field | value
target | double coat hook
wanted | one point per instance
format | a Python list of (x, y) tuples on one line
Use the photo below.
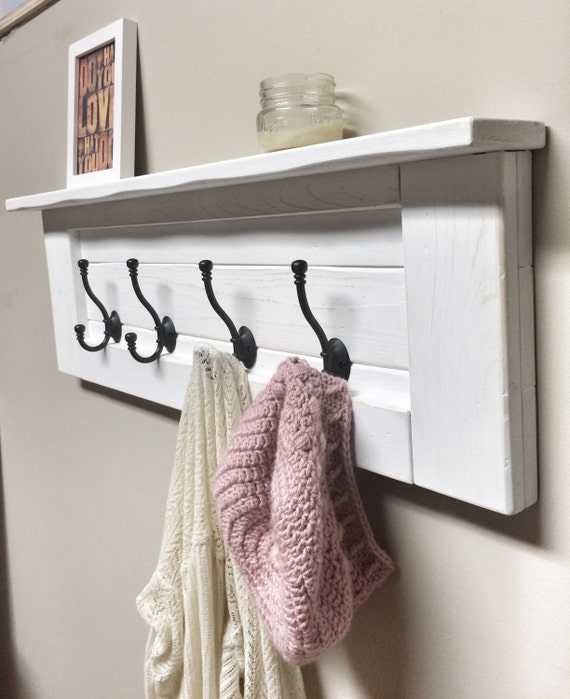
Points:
[(112, 322), (165, 332), (336, 360), (243, 341)]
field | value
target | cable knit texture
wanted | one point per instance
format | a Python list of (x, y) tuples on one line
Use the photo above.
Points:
[(291, 513), (206, 640)]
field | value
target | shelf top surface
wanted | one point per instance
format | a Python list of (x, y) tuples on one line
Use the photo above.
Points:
[(455, 137)]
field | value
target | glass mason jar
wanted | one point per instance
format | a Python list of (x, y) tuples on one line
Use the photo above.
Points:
[(298, 110)]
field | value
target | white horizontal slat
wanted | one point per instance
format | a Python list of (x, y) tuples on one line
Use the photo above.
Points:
[(364, 307), (381, 405), (348, 238), (299, 195)]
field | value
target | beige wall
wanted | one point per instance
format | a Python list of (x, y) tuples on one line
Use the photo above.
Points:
[(480, 608)]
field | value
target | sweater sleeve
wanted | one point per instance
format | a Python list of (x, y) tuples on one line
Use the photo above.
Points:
[(160, 603), (160, 606)]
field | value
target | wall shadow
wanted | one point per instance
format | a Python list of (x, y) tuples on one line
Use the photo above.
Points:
[(377, 646), (141, 149), (133, 401), (524, 526)]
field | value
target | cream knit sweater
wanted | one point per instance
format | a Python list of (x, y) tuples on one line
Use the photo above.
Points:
[(206, 641)]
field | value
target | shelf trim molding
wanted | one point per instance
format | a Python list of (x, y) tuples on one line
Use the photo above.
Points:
[(443, 139)]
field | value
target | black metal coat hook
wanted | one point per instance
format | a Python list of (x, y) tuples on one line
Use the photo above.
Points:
[(334, 353), (112, 322), (165, 331), (243, 341)]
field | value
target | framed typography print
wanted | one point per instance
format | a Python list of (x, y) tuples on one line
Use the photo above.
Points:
[(101, 105)]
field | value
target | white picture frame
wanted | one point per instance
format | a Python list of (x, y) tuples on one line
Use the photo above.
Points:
[(102, 105)]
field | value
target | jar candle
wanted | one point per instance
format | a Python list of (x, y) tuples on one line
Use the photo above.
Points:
[(298, 109)]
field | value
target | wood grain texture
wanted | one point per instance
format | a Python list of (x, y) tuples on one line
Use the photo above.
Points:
[(353, 238), (462, 223)]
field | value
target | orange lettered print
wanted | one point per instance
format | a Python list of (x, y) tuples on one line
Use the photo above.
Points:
[(95, 110)]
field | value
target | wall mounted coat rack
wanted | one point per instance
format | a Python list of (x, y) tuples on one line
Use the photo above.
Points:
[(419, 247)]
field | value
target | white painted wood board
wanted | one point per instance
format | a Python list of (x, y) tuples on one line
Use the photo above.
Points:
[(466, 228), (371, 237)]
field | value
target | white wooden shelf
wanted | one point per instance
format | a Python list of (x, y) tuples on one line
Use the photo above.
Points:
[(443, 139), (420, 260)]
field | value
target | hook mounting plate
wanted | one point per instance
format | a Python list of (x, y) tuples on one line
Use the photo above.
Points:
[(168, 334), (337, 360), (113, 326), (245, 348)]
